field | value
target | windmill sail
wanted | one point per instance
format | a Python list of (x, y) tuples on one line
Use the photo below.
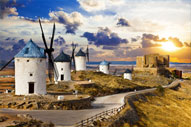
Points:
[(87, 53), (7, 64), (51, 67)]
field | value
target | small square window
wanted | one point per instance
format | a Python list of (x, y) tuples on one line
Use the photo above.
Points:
[(40, 60), (27, 60), (17, 60), (61, 69), (31, 74)]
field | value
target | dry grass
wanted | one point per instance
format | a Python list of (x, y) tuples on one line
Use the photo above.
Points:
[(186, 75), (103, 84), (171, 110), (146, 79), (7, 72)]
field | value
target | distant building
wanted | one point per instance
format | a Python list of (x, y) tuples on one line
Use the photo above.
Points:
[(152, 61), (127, 74), (80, 60), (63, 65), (104, 67), (30, 70)]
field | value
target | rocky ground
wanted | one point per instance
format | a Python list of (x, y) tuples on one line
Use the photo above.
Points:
[(47, 102), (21, 120)]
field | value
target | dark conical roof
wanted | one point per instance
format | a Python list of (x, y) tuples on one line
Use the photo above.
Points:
[(31, 50), (128, 71), (81, 53), (62, 57)]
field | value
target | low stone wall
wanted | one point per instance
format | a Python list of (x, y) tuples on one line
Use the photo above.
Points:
[(83, 103)]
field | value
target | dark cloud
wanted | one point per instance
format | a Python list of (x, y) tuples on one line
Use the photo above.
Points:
[(71, 21), (7, 54), (176, 41), (19, 45), (59, 41), (10, 39), (133, 39), (104, 37), (123, 22), (147, 40), (7, 7), (109, 47), (186, 44)]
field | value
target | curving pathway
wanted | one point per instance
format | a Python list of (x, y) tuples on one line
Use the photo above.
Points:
[(70, 117)]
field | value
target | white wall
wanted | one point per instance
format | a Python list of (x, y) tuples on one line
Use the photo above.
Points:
[(23, 69), (104, 69), (80, 63), (63, 69), (127, 76)]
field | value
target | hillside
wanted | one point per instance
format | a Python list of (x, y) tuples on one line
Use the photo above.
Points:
[(103, 84), (173, 109)]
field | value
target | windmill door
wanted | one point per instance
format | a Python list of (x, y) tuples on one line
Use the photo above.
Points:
[(62, 77), (31, 87)]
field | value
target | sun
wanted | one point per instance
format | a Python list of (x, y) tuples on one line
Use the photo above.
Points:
[(169, 46)]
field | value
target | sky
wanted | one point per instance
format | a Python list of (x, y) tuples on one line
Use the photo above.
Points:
[(114, 30)]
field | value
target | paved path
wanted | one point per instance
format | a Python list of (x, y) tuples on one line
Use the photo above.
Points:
[(70, 117)]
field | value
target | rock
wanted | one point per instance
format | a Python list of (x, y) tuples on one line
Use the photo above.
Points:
[(3, 118)]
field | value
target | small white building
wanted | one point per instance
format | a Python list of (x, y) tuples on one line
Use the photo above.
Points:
[(30, 70), (127, 74), (104, 67), (62, 62), (80, 60)]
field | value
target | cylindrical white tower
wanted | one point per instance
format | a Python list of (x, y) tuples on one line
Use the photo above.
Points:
[(62, 62), (80, 60), (104, 67), (127, 74), (30, 70)]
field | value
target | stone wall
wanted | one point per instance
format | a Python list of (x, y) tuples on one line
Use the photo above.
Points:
[(49, 105), (152, 61)]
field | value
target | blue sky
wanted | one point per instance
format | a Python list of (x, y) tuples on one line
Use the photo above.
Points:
[(113, 29)]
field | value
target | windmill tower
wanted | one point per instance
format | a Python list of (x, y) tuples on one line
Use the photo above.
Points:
[(63, 63), (30, 70), (127, 74), (104, 67)]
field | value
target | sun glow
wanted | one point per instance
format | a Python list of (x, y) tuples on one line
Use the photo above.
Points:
[(169, 46)]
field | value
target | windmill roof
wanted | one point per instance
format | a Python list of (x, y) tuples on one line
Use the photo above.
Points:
[(128, 71), (80, 53), (31, 50), (104, 63), (62, 57)]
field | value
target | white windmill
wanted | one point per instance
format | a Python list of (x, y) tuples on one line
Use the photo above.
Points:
[(104, 67), (63, 62), (127, 74), (80, 60), (30, 70)]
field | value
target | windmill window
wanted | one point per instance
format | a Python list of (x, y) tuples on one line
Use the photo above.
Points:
[(61, 69), (17, 60), (27, 60), (31, 74), (40, 60), (26, 51)]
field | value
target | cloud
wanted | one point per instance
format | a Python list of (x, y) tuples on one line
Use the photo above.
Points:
[(123, 22), (186, 44), (148, 39), (6, 8), (176, 41), (7, 54), (92, 5), (71, 21), (59, 41), (104, 37)]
